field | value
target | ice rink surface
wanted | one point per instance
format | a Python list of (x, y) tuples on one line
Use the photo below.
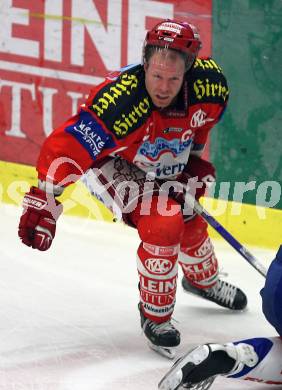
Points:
[(69, 318)]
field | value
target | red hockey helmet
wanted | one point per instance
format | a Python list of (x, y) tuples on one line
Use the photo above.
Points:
[(171, 34)]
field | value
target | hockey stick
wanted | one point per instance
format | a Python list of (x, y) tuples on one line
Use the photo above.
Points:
[(254, 262)]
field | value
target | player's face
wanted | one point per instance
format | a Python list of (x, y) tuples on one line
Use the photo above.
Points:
[(164, 75)]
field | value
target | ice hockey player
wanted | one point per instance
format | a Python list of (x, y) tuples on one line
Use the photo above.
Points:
[(145, 125), (257, 359)]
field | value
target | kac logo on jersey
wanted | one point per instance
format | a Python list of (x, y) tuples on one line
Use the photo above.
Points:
[(200, 118), (159, 266)]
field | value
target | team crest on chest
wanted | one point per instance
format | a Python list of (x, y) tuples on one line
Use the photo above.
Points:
[(200, 118)]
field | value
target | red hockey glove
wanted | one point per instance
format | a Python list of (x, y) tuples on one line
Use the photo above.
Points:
[(37, 225), (203, 170), (195, 178)]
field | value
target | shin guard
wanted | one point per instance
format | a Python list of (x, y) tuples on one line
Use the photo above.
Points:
[(197, 257), (157, 262)]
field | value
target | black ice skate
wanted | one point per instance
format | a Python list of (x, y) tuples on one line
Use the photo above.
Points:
[(198, 369), (163, 337), (223, 293)]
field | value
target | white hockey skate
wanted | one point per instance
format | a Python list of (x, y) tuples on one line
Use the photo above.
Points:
[(198, 369)]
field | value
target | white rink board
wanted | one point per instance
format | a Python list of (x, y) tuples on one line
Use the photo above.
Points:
[(69, 318)]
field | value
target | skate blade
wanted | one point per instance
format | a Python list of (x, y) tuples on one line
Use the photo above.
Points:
[(164, 351), (204, 385), (173, 379)]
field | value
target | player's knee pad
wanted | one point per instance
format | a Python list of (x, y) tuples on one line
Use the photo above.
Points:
[(195, 231), (157, 262), (197, 257), (161, 229)]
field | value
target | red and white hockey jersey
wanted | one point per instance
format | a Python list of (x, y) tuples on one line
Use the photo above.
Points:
[(119, 118)]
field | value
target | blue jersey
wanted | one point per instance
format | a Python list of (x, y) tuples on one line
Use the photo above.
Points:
[(272, 293), (269, 350)]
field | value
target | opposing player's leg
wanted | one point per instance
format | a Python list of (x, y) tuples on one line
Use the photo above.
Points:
[(157, 268), (272, 293), (258, 360), (200, 267)]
